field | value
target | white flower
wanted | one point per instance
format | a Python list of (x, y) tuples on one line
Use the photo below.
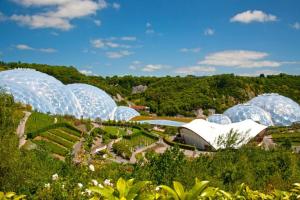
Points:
[(88, 192), (106, 182), (104, 156), (157, 188), (62, 186), (80, 185), (47, 185), (100, 185), (54, 177), (91, 167), (95, 182)]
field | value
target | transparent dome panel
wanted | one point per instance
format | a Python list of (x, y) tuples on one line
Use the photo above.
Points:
[(94, 102), (284, 111), (124, 113), (242, 112), (43, 92), (219, 119)]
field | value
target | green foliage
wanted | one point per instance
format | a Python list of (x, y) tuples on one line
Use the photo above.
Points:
[(124, 190), (231, 140), (11, 196)]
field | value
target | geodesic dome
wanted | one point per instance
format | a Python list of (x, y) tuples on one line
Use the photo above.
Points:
[(284, 111), (242, 112), (95, 103), (123, 113), (43, 92), (219, 119)]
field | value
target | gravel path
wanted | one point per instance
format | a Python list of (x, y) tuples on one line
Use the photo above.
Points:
[(21, 129)]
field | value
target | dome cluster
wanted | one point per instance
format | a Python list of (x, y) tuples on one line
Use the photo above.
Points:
[(48, 95), (219, 119), (267, 109)]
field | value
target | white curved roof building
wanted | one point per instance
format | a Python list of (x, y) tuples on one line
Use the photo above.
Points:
[(48, 95), (204, 135)]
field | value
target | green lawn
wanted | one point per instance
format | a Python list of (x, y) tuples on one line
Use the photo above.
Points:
[(53, 147), (137, 141), (38, 120), (119, 131), (294, 137)]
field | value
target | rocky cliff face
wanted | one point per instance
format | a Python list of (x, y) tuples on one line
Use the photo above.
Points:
[(139, 89)]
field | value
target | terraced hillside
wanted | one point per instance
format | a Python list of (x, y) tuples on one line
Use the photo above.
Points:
[(59, 141)]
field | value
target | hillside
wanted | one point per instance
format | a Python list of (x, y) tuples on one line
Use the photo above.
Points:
[(178, 95)]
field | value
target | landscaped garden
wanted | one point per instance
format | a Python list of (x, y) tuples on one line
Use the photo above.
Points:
[(59, 141)]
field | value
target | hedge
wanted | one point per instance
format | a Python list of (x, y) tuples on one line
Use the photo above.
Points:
[(183, 146)]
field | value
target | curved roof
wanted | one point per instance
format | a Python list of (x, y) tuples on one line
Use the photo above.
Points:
[(123, 113), (284, 111), (210, 132), (242, 112), (219, 119), (95, 103), (43, 92)]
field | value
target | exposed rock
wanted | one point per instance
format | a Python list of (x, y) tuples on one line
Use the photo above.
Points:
[(139, 89), (199, 113), (118, 98), (211, 112)]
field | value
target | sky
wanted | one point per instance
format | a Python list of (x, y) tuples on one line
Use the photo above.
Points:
[(154, 37)]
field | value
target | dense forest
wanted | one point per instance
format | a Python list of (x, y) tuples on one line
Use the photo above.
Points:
[(178, 95)]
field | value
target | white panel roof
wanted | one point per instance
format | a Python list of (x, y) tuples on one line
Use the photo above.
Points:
[(211, 131)]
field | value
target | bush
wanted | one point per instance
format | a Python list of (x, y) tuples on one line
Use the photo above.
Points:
[(122, 150)]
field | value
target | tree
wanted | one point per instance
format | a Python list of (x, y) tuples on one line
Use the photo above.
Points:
[(231, 140)]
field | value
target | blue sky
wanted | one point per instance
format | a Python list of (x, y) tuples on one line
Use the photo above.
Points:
[(157, 37)]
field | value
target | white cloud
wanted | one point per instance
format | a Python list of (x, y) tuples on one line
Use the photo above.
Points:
[(128, 38), (209, 31), (97, 43), (118, 54), (27, 47), (54, 33), (24, 47), (47, 50), (195, 70), (136, 62), (87, 72), (253, 16), (149, 28), (239, 59), (97, 22), (257, 73), (192, 50), (40, 21), (296, 25), (59, 12), (116, 6), (153, 67), (41, 2), (110, 42)]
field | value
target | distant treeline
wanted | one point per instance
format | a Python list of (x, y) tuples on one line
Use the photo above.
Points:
[(178, 95)]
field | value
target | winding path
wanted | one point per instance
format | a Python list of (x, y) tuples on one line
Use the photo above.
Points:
[(21, 129)]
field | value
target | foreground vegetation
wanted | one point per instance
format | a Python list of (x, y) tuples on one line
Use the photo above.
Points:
[(178, 95), (31, 173)]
